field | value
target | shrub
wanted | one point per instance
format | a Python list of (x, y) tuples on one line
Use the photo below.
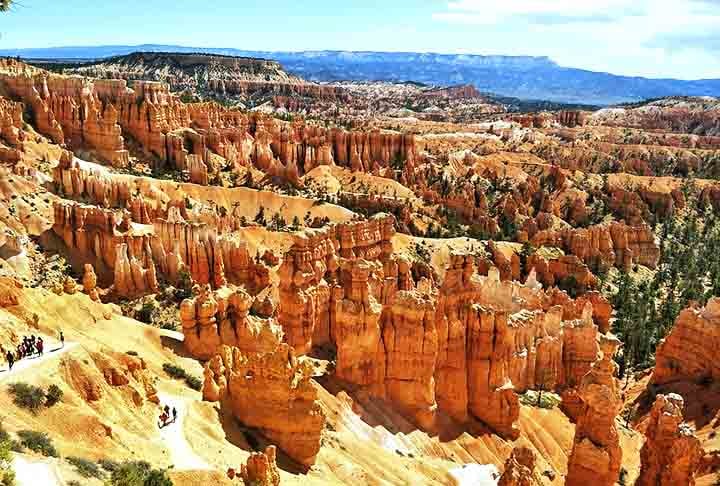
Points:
[(174, 371), (145, 314), (4, 434), (178, 373), (108, 464), (138, 473), (27, 396), (622, 480), (169, 326), (546, 400), (74, 482), (7, 475), (194, 382), (7, 441), (53, 395), (131, 353), (85, 467), (38, 442)]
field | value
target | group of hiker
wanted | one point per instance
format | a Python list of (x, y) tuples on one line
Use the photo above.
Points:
[(29, 346), (167, 416)]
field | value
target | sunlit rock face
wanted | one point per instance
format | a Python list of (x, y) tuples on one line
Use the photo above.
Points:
[(289, 413), (671, 453), (689, 351), (596, 454)]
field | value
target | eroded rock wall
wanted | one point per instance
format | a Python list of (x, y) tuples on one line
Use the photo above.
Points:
[(671, 453), (271, 392), (688, 352)]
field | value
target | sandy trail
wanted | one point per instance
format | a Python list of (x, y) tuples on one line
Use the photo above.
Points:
[(181, 454), (52, 351), (35, 472)]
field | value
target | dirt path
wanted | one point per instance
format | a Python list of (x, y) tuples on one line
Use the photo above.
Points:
[(53, 350), (30, 471), (173, 435)]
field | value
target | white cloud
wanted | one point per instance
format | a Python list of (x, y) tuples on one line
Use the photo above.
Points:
[(620, 36)]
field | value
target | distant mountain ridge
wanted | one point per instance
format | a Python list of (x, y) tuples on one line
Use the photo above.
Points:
[(523, 77)]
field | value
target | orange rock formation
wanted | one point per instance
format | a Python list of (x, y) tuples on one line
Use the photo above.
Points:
[(271, 392), (671, 454), (520, 469), (596, 453), (688, 352), (211, 320)]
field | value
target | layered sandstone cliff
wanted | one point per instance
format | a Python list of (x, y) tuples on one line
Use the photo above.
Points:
[(688, 352), (603, 246)]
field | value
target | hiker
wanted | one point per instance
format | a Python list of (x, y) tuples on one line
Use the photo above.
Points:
[(10, 359), (167, 410), (174, 414), (20, 351), (62, 339), (163, 420), (39, 346)]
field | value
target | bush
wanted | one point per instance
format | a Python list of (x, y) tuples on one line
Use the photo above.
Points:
[(27, 396), (178, 373), (131, 353), (146, 312), (85, 467), (7, 441), (194, 382), (138, 473), (174, 371), (169, 326), (108, 464), (7, 475), (53, 395), (547, 400), (74, 482), (38, 442), (4, 434)]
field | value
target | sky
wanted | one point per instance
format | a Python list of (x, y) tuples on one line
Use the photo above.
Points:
[(654, 38)]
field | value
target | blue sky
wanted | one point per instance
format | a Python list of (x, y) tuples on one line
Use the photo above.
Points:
[(656, 38)]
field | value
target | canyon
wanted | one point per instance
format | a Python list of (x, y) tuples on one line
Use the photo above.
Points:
[(400, 300)]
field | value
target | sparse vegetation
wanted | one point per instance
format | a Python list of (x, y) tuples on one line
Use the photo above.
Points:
[(7, 475), (37, 442), (85, 467), (138, 473), (540, 399), (108, 464), (29, 397), (53, 395), (179, 373)]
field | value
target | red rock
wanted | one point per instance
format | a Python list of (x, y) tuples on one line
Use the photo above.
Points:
[(211, 320), (261, 469), (596, 454), (290, 415), (688, 352), (520, 469), (671, 454)]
